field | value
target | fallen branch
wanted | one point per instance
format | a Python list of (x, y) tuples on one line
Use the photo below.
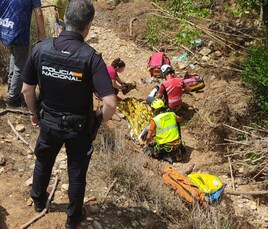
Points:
[(108, 190), (231, 171), (237, 142), (17, 111), (258, 129), (19, 136), (252, 193), (131, 25), (242, 131), (211, 124), (259, 172), (190, 170), (41, 214)]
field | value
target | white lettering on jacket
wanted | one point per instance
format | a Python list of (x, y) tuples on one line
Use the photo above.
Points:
[(59, 74), (6, 23)]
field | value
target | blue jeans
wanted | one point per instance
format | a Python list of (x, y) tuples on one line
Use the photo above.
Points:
[(18, 57)]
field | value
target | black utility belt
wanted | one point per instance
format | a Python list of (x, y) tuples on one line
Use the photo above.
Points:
[(77, 122)]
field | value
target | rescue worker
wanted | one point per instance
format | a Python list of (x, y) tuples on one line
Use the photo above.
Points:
[(66, 70), (172, 88), (117, 66), (164, 128)]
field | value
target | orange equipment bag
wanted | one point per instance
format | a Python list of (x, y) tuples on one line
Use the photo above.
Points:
[(183, 186)]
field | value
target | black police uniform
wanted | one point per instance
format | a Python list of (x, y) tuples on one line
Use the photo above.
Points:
[(67, 71)]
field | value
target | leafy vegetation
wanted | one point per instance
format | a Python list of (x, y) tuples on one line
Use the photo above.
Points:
[(255, 76)]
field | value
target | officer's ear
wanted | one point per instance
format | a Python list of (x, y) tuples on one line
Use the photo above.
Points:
[(86, 30)]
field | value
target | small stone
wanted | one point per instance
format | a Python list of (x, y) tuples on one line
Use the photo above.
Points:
[(135, 224), (205, 51), (27, 135), (90, 227), (205, 58), (94, 209), (97, 225), (90, 219), (218, 53), (86, 199), (63, 165), (20, 128), (210, 43), (2, 159), (29, 182), (64, 187), (8, 141), (29, 156), (29, 152), (241, 170), (253, 207), (119, 213), (29, 202), (2, 170), (32, 166), (144, 222)]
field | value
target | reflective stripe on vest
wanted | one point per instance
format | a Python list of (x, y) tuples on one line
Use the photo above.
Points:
[(166, 128), (174, 91)]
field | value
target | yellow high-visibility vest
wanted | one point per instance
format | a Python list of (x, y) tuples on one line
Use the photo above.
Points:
[(166, 128)]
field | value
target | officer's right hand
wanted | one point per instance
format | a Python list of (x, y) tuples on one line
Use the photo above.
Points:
[(35, 120)]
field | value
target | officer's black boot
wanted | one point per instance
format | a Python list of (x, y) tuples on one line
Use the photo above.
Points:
[(40, 205), (72, 224)]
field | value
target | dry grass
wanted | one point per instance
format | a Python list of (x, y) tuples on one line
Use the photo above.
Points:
[(139, 178), (249, 152)]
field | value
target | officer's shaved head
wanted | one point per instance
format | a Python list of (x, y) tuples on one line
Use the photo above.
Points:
[(79, 13)]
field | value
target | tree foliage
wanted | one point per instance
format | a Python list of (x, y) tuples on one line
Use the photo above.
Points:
[(255, 75)]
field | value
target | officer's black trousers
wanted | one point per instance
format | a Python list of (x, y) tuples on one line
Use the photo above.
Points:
[(51, 139)]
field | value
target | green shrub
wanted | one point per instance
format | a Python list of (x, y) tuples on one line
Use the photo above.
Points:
[(255, 76), (156, 30)]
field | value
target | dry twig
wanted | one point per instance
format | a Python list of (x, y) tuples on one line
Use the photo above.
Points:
[(231, 171), (16, 111), (131, 26), (26, 225), (108, 190), (242, 131), (19, 136), (252, 193)]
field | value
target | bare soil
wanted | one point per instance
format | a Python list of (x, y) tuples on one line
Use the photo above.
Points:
[(221, 101)]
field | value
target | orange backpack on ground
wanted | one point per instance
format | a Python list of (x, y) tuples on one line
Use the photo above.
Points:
[(183, 186)]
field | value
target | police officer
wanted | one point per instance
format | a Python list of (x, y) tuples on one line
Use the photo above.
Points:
[(67, 71)]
